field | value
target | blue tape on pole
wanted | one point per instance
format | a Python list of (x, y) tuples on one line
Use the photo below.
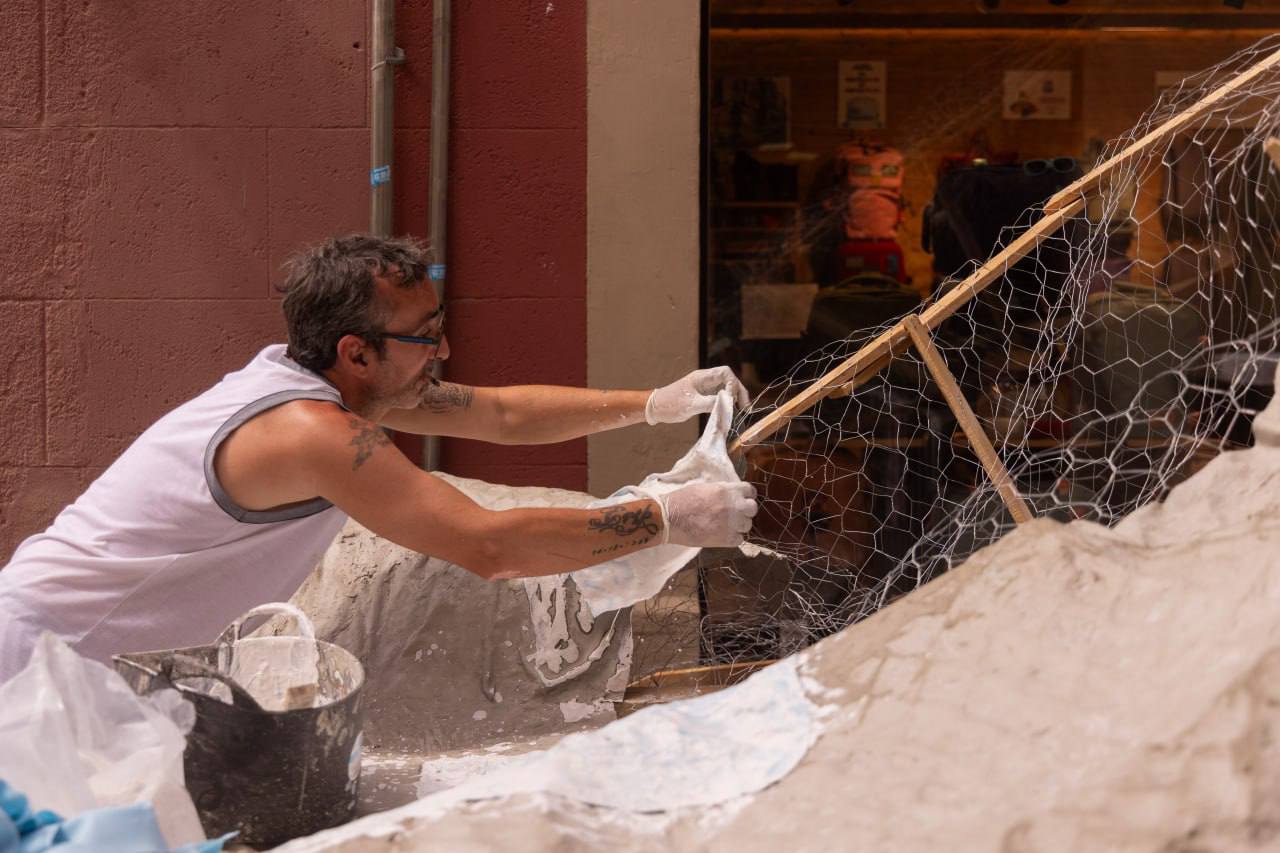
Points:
[(379, 175), (436, 272)]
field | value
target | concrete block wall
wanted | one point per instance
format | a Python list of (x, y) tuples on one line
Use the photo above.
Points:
[(158, 161)]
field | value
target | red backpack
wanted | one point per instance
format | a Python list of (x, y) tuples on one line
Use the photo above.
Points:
[(873, 175)]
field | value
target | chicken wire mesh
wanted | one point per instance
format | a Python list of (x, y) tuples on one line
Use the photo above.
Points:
[(1106, 365)]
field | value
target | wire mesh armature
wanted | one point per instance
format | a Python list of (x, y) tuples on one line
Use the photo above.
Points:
[(1108, 364)]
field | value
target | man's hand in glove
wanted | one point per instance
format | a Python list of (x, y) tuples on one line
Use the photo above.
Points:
[(708, 515), (695, 394)]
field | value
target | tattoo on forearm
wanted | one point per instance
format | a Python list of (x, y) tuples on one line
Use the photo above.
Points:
[(625, 522), (638, 525), (621, 546), (368, 438), (440, 398)]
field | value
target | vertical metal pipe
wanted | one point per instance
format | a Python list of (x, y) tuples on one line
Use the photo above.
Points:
[(382, 117), (441, 26), (441, 23)]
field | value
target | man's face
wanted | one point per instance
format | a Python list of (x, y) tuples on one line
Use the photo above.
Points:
[(404, 371)]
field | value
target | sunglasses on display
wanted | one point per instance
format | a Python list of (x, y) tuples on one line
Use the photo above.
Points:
[(1057, 164)]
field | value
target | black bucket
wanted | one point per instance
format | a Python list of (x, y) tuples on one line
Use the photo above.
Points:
[(269, 773)]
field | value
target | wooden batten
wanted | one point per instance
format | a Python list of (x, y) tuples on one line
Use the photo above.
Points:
[(871, 359)]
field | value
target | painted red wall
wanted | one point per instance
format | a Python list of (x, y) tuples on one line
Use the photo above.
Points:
[(159, 160)]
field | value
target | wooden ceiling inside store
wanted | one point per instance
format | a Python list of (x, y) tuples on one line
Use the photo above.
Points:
[(992, 14)]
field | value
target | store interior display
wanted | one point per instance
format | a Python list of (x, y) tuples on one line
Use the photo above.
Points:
[(1084, 359)]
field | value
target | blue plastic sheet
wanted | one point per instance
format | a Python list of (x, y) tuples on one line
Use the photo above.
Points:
[(121, 829)]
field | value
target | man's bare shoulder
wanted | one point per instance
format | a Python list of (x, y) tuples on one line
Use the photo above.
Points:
[(305, 432), (305, 428), (306, 415), (322, 433), (286, 453), (297, 421)]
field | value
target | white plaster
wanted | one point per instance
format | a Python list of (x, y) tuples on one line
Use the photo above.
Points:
[(707, 751), (576, 712)]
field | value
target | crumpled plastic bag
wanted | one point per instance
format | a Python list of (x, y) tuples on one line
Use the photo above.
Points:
[(75, 737)]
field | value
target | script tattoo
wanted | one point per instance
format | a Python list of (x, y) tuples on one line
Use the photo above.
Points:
[(368, 438), (440, 398), (625, 522)]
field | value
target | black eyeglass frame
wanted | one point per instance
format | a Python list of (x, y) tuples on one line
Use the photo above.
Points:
[(416, 339)]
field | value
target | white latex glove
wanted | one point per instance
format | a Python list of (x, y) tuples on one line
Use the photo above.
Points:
[(694, 394), (707, 515)]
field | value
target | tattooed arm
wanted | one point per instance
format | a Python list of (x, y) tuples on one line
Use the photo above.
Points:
[(518, 414), (305, 449), (315, 449), (447, 408)]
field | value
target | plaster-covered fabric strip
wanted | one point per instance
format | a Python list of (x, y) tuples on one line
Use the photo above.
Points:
[(635, 577)]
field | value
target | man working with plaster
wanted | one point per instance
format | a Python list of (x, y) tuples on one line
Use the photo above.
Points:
[(229, 500)]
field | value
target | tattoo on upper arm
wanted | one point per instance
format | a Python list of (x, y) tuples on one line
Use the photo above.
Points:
[(368, 438), (441, 398)]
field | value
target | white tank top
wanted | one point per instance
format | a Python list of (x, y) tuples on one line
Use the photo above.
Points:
[(155, 555)]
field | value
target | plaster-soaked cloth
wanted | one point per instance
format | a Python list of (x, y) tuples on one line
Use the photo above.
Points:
[(635, 577)]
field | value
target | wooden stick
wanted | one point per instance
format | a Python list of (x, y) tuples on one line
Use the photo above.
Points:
[(968, 420), (1272, 147), (873, 356), (1142, 147)]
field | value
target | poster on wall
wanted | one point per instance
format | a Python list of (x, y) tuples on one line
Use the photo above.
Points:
[(751, 112), (1037, 95), (860, 95)]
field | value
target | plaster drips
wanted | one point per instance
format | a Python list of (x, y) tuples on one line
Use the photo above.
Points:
[(418, 623), (556, 657), (575, 711)]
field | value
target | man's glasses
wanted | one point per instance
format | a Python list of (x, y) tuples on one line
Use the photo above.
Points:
[(418, 339), (413, 339)]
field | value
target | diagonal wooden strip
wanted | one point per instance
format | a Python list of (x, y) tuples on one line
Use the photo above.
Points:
[(1142, 147), (968, 420), (871, 358)]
